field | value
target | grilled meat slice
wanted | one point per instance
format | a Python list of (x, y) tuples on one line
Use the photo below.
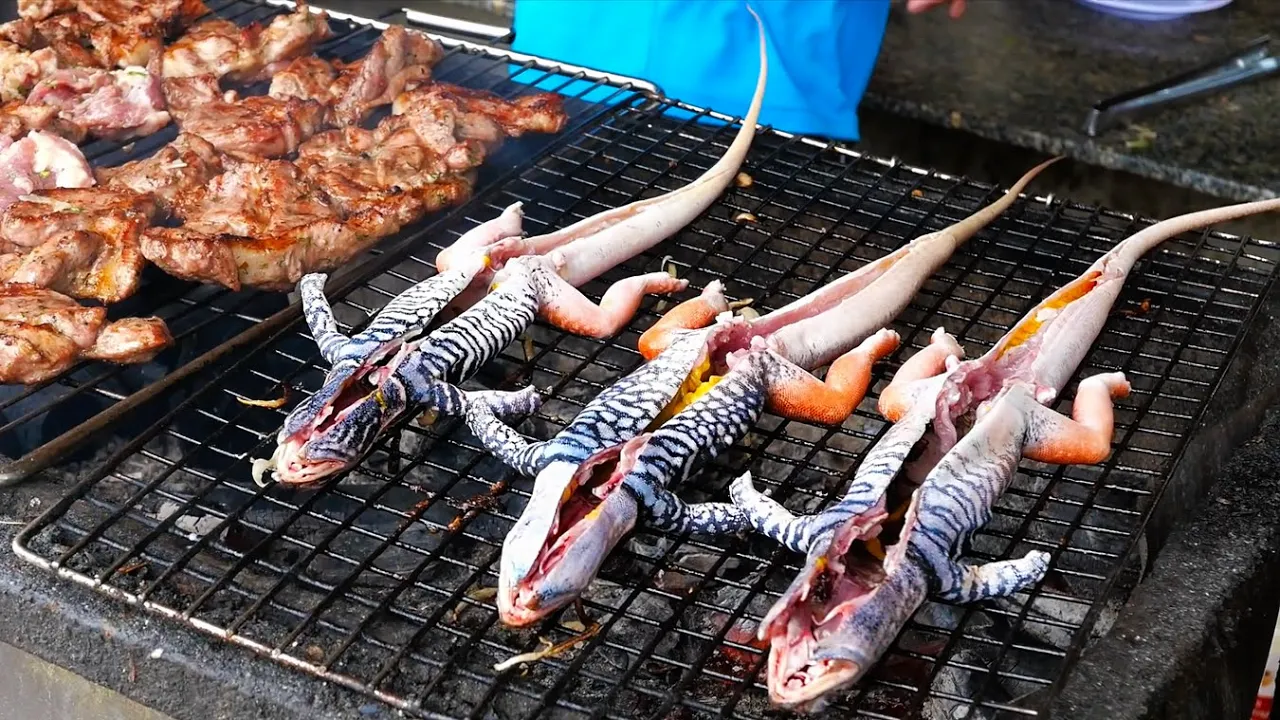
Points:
[(255, 126), (80, 264), (20, 69), (40, 161), (44, 333), (261, 224), (400, 60), (116, 105), (39, 216), (130, 340), (79, 40), (18, 118), (41, 9), (286, 37), (463, 125), (223, 49), (82, 242), (305, 78), (184, 94), (211, 47), (482, 115), (48, 264), (354, 167), (182, 166), (171, 15)]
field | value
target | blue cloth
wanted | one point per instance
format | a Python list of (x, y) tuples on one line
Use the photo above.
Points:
[(705, 52)]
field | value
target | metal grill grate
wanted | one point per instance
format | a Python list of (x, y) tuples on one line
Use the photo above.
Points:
[(376, 582), (39, 424)]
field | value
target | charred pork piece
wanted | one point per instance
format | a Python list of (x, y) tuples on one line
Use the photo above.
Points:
[(355, 167), (182, 166), (225, 50), (79, 40), (261, 224), (257, 126), (400, 60), (170, 15), (464, 125), (18, 119), (44, 333), (40, 161), (84, 243), (305, 78)]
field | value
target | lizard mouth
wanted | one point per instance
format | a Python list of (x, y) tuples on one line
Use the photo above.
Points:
[(339, 431), (593, 515), (832, 586), (818, 609)]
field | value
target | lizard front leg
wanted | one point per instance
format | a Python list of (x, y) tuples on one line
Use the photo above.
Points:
[(797, 395), (768, 517), (672, 514), (483, 412), (691, 314), (319, 316)]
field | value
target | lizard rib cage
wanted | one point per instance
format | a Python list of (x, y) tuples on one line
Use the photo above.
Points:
[(380, 580)]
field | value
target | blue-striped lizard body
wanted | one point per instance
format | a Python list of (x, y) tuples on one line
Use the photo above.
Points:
[(379, 376), (583, 510), (869, 561)]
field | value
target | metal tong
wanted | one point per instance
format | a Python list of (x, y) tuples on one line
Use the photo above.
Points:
[(1252, 62)]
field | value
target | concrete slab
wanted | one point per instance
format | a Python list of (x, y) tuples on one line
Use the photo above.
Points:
[(32, 688)]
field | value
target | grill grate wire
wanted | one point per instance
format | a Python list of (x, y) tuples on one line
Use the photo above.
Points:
[(371, 581)]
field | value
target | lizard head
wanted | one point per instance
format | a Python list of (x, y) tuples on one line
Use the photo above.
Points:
[(333, 428), (577, 515), (840, 613)]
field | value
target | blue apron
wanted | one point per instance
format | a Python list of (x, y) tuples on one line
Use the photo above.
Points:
[(705, 52)]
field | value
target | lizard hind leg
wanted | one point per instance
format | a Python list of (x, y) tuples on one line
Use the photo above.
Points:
[(691, 314), (897, 397), (319, 315), (565, 307), (797, 395), (1086, 439)]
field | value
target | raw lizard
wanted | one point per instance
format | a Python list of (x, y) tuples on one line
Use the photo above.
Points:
[(851, 598), (576, 516), (379, 375)]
